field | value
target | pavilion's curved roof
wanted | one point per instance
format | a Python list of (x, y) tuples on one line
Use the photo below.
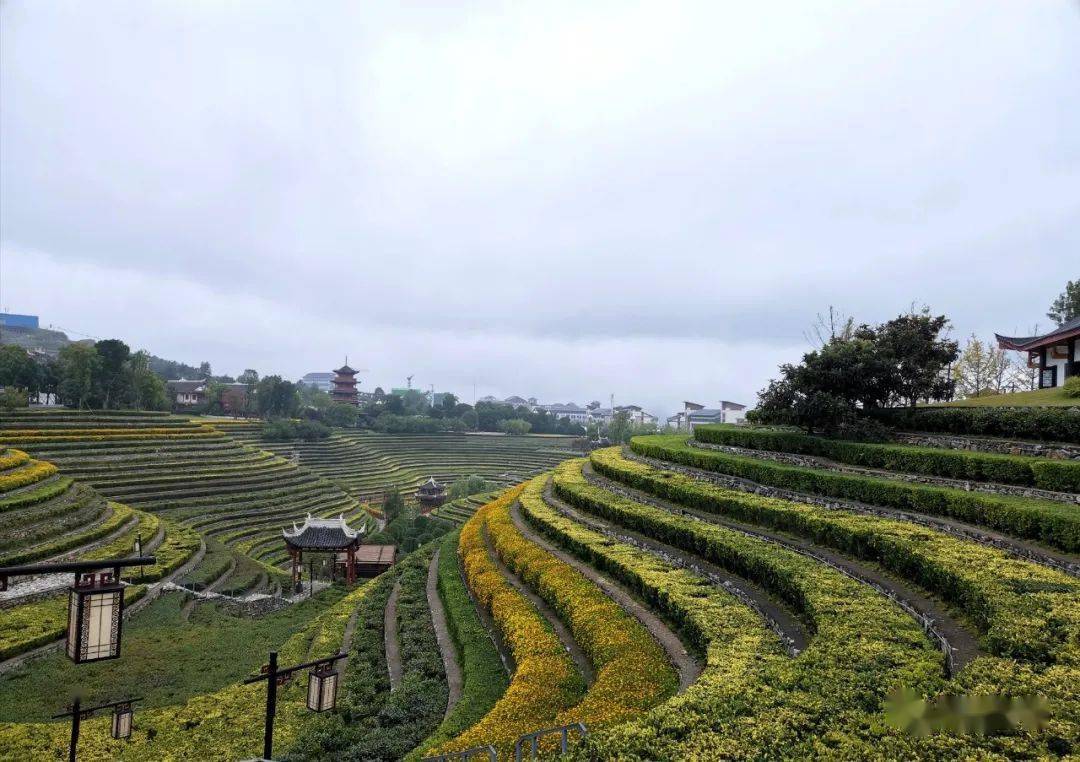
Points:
[(1067, 330), (325, 534)]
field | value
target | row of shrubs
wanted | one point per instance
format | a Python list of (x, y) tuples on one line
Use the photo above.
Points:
[(1046, 424), (484, 678), (1018, 605), (373, 722), (1027, 614), (863, 646), (1056, 524), (1057, 475), (632, 672), (545, 682)]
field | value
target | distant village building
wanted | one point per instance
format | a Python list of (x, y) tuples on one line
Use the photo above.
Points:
[(324, 382), (694, 414), (570, 411), (1056, 354), (344, 386), (187, 393)]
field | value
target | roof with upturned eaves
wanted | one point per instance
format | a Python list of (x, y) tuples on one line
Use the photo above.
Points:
[(1067, 330), (322, 534)]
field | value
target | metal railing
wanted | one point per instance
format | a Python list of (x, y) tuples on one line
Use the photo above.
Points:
[(533, 739)]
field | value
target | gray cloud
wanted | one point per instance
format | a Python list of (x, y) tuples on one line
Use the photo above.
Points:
[(658, 184)]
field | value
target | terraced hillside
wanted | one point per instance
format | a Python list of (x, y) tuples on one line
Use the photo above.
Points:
[(46, 516), (188, 472), (746, 593), (777, 595), (366, 463)]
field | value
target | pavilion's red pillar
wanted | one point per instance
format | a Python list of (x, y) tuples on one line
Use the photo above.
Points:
[(292, 555), (350, 565)]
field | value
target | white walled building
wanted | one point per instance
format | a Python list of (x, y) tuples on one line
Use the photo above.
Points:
[(694, 414), (1055, 354)]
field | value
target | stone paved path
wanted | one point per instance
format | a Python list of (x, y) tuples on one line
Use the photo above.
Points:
[(442, 634)]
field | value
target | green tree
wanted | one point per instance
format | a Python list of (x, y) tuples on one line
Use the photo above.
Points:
[(393, 505), (916, 346), (18, 369), (340, 414), (78, 366), (249, 377), (148, 390), (1067, 305), (12, 397), (276, 398), (515, 426), (111, 382)]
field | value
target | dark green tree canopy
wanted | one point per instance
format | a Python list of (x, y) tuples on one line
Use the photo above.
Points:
[(1067, 305)]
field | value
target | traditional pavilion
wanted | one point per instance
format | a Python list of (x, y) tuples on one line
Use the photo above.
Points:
[(337, 537), (345, 385), (1055, 354), (431, 494), (323, 536)]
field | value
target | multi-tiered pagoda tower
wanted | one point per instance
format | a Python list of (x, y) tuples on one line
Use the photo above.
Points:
[(345, 385)]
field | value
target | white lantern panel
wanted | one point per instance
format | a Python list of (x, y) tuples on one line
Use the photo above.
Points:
[(100, 625), (121, 724)]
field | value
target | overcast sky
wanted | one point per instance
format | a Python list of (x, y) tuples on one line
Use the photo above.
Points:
[(554, 199)]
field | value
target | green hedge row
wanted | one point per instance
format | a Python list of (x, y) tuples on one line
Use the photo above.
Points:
[(1001, 594), (1048, 424), (1044, 473), (374, 723), (484, 679), (37, 495), (1056, 524), (1028, 615)]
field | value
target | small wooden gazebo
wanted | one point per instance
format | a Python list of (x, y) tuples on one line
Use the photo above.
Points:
[(323, 536), (431, 494)]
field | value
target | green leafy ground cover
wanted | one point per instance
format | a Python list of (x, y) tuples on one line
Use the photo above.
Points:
[(1030, 617), (484, 679), (225, 724), (1048, 424), (1056, 524), (165, 660), (375, 723), (1036, 397), (1045, 473)]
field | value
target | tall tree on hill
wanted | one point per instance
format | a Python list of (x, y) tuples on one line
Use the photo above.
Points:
[(111, 382), (78, 365), (1067, 305), (276, 398), (827, 327), (18, 369), (920, 351), (148, 390), (250, 377)]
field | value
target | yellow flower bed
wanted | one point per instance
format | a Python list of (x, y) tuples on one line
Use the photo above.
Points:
[(632, 672), (12, 458), (224, 725), (35, 472), (545, 683)]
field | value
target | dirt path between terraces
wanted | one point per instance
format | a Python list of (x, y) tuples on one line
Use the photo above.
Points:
[(688, 668), (454, 679), (581, 661), (960, 644), (390, 635)]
